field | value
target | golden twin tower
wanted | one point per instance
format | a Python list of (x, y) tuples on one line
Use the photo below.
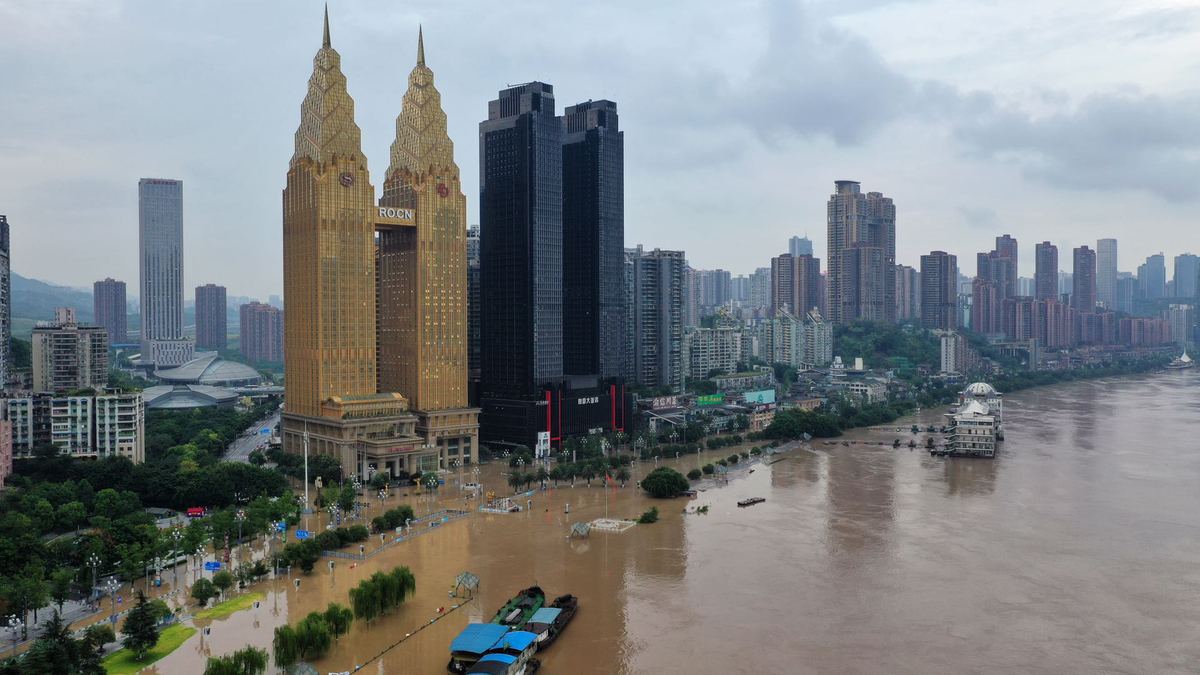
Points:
[(375, 328)]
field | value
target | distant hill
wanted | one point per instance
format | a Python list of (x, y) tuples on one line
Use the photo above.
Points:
[(36, 300)]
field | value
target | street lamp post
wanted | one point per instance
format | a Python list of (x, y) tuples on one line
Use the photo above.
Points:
[(111, 586), (15, 625), (93, 561), (176, 540), (241, 518)]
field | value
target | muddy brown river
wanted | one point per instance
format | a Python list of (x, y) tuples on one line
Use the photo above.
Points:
[(1077, 550)]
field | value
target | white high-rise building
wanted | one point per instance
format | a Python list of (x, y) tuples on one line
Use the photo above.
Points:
[(5, 304), (1106, 273), (160, 256)]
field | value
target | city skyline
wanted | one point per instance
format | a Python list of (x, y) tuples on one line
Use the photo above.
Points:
[(1057, 191)]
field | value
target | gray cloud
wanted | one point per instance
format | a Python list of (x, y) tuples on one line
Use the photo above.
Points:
[(1123, 141)]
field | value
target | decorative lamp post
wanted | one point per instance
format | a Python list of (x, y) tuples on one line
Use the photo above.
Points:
[(111, 586), (93, 561), (176, 540), (15, 625)]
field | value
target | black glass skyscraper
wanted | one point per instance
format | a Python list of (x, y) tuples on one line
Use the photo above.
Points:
[(593, 159), (520, 243), (549, 372)]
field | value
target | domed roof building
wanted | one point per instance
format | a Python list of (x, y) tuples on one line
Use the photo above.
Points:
[(979, 390), (211, 370)]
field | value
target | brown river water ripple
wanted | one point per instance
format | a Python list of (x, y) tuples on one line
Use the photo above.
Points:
[(1077, 550)]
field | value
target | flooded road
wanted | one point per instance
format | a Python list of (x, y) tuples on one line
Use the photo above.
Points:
[(1075, 550)]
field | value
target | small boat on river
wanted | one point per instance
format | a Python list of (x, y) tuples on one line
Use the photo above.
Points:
[(517, 611), (472, 644), (548, 622), (751, 501), (511, 655)]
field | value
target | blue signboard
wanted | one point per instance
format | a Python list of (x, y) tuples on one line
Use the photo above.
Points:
[(281, 527), (265, 431), (302, 534), (212, 566)]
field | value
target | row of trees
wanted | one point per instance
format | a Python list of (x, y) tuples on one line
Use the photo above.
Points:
[(245, 661), (392, 518), (312, 636), (381, 593)]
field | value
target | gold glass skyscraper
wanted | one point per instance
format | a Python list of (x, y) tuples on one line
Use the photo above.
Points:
[(337, 398), (423, 273)]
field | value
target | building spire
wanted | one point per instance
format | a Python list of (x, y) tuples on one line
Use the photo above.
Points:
[(420, 45), (325, 42)]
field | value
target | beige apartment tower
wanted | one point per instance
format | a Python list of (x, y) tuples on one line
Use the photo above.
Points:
[(361, 341)]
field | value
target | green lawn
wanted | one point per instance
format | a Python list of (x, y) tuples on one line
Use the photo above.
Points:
[(121, 662), (224, 609)]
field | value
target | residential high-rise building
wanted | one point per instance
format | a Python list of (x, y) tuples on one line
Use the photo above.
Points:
[(691, 298), (711, 351), (795, 284), (422, 278), (6, 364), (211, 322), (1152, 277), (861, 278), (1106, 273), (908, 293), (957, 355), (68, 356), (82, 425), (713, 289), (801, 342), (261, 332), (939, 296), (593, 218), (1006, 256), (1046, 274), (1182, 318), (331, 402), (760, 288), (110, 309), (160, 248), (1127, 290), (1187, 275), (798, 246), (987, 307), (657, 317), (1083, 293)]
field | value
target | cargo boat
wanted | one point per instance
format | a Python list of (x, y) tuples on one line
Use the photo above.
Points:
[(520, 609), (511, 655), (752, 501), (548, 622), (476, 640)]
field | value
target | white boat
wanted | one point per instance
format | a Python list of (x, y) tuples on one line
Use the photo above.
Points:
[(1184, 361)]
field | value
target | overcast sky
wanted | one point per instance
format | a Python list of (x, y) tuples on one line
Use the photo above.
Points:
[(1065, 120)]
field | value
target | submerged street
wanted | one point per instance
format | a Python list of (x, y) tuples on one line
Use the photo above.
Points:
[(1073, 551)]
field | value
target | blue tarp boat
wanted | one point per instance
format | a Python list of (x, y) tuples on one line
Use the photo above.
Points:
[(495, 664), (473, 642)]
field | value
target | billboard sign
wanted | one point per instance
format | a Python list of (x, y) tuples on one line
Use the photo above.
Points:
[(660, 402), (212, 566), (763, 396), (543, 445), (710, 399)]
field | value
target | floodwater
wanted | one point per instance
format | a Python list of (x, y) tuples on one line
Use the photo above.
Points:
[(1075, 550)]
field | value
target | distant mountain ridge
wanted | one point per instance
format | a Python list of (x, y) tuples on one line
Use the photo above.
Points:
[(36, 300)]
